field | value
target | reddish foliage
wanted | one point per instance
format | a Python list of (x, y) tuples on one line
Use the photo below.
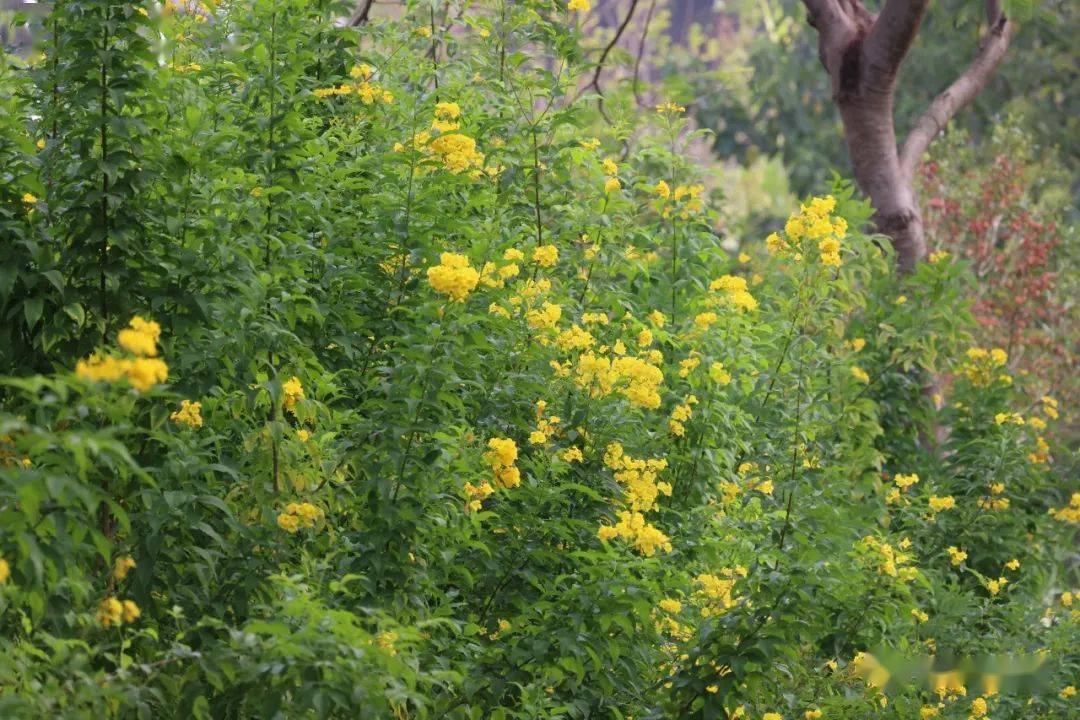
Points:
[(983, 216)]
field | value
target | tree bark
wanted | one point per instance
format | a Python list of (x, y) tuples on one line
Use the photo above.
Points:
[(862, 54)]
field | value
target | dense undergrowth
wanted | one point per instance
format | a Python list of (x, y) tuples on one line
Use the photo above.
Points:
[(368, 373)]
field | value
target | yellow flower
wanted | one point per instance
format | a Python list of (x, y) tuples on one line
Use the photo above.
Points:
[(718, 374), (292, 392), (1013, 564), (545, 255), (122, 566), (110, 612), (901, 300), (978, 709), (5, 570), (40, 144), (956, 556), (131, 611), (578, 6), (937, 504), (662, 189), (190, 414), (288, 522), (772, 716), (611, 185), (573, 454), (859, 374), (453, 276), (705, 319), (1067, 692), (609, 167), (29, 199), (814, 714), (670, 605), (906, 481), (140, 337)]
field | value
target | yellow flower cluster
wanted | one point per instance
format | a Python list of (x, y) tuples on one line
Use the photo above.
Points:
[(715, 592), (142, 372), (1070, 513), (445, 115), (368, 92), (1050, 407), (982, 364), (669, 625), (298, 515), (632, 527), (903, 482), (734, 291), (578, 6), (545, 255), (544, 317), (190, 414), (453, 276), (886, 559), (719, 375), (501, 455), (494, 276), (5, 570), (457, 152), (573, 454), (112, 611), (476, 495), (637, 477), (956, 555), (641, 491), (814, 223), (937, 504), (681, 414), (688, 195), (688, 365), (292, 392), (993, 499), (546, 427), (637, 379), (1041, 454), (140, 337), (122, 566)]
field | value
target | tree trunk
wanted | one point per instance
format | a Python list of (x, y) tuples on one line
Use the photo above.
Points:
[(871, 142), (862, 53)]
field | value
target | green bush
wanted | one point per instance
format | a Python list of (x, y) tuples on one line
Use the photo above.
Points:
[(366, 373)]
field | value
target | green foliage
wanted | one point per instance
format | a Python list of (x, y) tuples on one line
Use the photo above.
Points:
[(362, 287)]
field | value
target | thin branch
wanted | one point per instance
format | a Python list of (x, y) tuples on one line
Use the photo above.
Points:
[(360, 15), (992, 47), (891, 35), (641, 51), (607, 50)]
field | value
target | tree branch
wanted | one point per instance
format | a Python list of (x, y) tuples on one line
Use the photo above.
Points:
[(838, 24), (992, 47), (891, 35), (361, 13), (607, 50)]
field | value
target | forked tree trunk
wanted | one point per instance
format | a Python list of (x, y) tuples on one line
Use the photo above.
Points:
[(862, 53)]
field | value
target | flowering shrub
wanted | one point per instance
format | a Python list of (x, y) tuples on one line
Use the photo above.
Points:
[(385, 380)]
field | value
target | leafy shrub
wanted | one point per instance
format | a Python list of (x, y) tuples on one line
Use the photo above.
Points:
[(400, 387)]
